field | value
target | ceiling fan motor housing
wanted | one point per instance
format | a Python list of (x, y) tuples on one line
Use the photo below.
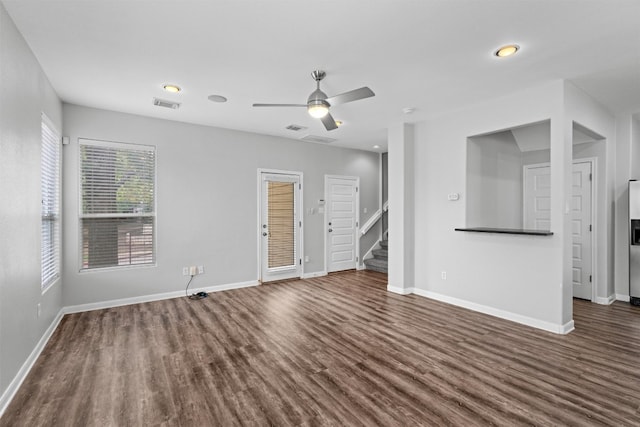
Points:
[(317, 97)]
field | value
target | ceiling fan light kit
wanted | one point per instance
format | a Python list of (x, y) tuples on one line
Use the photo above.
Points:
[(318, 109), (318, 104)]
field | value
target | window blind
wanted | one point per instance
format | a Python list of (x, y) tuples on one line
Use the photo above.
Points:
[(282, 228), (50, 187), (117, 207)]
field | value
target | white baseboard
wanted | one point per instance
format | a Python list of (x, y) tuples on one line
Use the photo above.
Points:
[(17, 381), (154, 297), (623, 297), (605, 301), (399, 290), (314, 274), (502, 314)]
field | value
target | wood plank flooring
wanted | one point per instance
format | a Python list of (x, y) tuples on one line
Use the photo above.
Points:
[(338, 350)]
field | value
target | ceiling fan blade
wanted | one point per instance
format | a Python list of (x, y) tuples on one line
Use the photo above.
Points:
[(329, 122), (352, 95), (279, 105)]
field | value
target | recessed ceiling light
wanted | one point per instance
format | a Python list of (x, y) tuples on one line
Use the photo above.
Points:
[(172, 88), (339, 123), (408, 110), (217, 98), (376, 146), (507, 50)]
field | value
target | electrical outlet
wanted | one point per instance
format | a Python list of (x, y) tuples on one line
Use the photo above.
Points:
[(306, 258), (185, 271), (443, 275), (193, 270), (201, 269)]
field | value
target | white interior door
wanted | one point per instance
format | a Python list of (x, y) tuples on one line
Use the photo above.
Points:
[(280, 248), (537, 198), (342, 222), (581, 230), (537, 214)]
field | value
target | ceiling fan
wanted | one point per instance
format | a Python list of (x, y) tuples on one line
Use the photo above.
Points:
[(318, 103)]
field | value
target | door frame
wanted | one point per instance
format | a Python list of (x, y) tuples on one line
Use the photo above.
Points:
[(594, 219), (299, 207), (326, 216)]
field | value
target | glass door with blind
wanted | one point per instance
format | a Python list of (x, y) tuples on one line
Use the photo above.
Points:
[(280, 226)]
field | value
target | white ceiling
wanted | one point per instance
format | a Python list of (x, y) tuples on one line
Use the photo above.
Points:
[(432, 55)]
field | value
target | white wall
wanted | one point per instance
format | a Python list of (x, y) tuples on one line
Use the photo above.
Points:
[(401, 186), (524, 278), (585, 111), (494, 181), (501, 272), (25, 93), (206, 201)]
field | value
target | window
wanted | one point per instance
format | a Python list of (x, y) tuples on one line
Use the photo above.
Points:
[(50, 186), (117, 204)]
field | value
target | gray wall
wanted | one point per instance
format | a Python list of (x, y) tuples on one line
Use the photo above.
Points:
[(207, 201), (25, 93)]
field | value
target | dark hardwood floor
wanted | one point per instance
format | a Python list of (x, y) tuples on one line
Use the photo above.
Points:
[(338, 350)]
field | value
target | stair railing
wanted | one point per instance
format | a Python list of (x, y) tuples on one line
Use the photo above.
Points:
[(374, 218)]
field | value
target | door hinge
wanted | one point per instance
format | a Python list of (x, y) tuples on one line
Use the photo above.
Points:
[(356, 189), (590, 278), (357, 224), (590, 177), (357, 259), (299, 223), (300, 261), (299, 186), (590, 227)]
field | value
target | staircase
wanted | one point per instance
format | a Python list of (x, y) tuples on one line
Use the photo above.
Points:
[(379, 261)]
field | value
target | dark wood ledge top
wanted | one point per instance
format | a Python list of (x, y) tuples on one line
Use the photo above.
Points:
[(507, 231)]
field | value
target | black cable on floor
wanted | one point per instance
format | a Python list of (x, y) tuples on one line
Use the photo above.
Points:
[(198, 295)]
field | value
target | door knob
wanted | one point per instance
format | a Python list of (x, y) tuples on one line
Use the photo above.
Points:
[(264, 234), (330, 230)]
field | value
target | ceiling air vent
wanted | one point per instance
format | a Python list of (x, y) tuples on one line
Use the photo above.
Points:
[(295, 128), (167, 104), (317, 139)]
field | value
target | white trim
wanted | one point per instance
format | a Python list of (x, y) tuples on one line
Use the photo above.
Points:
[(81, 216), (154, 297), (300, 208), (371, 222), (26, 367), (314, 274), (606, 301), (623, 297), (502, 314), (399, 290), (593, 161), (326, 210)]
